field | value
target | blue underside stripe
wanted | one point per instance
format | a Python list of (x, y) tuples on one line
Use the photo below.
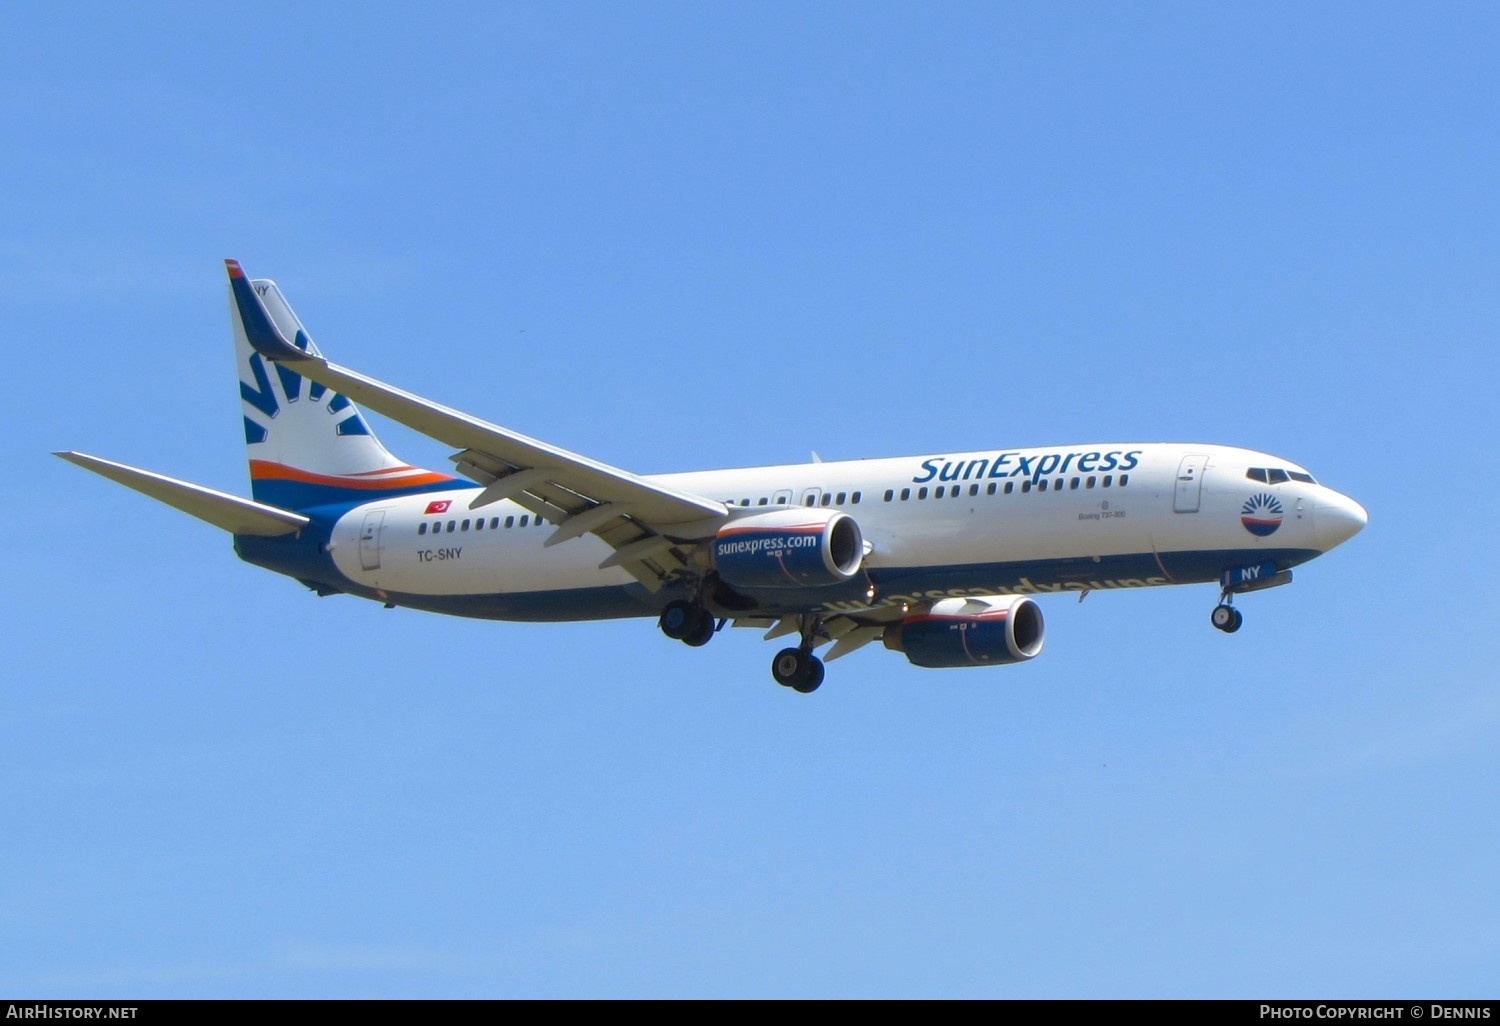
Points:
[(305, 559)]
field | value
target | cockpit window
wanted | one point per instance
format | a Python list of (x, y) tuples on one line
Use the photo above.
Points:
[(1277, 475)]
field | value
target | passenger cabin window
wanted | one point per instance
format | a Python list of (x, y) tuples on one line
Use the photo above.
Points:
[(510, 521), (1010, 486), (890, 494), (991, 489), (1109, 479), (854, 498), (523, 521), (1091, 482), (841, 497), (905, 494), (922, 493), (1124, 480), (422, 528)]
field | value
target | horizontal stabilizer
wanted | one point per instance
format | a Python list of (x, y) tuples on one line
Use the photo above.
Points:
[(232, 513)]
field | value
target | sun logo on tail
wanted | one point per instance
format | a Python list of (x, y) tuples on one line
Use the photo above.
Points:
[(260, 397), (1261, 514)]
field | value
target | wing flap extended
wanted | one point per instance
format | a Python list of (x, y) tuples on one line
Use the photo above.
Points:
[(230, 512)]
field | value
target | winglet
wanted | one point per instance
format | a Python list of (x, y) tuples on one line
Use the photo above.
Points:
[(260, 330)]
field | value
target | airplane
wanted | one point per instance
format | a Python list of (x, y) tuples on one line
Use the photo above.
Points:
[(940, 557)]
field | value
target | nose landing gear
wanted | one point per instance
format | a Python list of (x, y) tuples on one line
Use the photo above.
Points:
[(1225, 617)]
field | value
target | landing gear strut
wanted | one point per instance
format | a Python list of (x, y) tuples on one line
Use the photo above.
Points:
[(1225, 617)]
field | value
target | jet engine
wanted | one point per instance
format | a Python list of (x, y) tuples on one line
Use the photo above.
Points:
[(789, 548), (978, 631)]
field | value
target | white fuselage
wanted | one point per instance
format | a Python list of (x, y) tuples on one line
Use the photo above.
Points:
[(1048, 519)]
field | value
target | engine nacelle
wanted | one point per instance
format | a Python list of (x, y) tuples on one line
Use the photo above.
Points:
[(980, 631), (789, 548)]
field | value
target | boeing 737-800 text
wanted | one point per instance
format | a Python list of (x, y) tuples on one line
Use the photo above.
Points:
[(937, 556)]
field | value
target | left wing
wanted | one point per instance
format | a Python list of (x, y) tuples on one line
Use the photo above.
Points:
[(641, 520), (232, 513)]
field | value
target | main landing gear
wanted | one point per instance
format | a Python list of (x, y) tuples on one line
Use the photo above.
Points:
[(1225, 617), (688, 623), (797, 669)]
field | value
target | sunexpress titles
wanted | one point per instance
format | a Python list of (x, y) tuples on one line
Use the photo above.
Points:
[(1036, 467)]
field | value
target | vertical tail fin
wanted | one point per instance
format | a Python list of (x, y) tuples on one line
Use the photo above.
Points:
[(308, 446)]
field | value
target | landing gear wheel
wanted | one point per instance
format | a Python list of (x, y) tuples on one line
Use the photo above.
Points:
[(786, 666), (1227, 618), (677, 619), (814, 677), (794, 668), (702, 630)]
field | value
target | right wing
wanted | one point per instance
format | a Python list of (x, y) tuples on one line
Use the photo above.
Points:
[(641, 520)]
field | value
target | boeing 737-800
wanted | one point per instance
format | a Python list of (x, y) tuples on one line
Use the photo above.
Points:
[(938, 556)]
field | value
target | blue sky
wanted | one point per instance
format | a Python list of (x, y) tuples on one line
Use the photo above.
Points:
[(679, 236)]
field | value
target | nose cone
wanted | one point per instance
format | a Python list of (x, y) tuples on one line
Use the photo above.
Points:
[(1337, 518)]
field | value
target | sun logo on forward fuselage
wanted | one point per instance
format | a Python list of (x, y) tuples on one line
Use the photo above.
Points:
[(1261, 514)]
